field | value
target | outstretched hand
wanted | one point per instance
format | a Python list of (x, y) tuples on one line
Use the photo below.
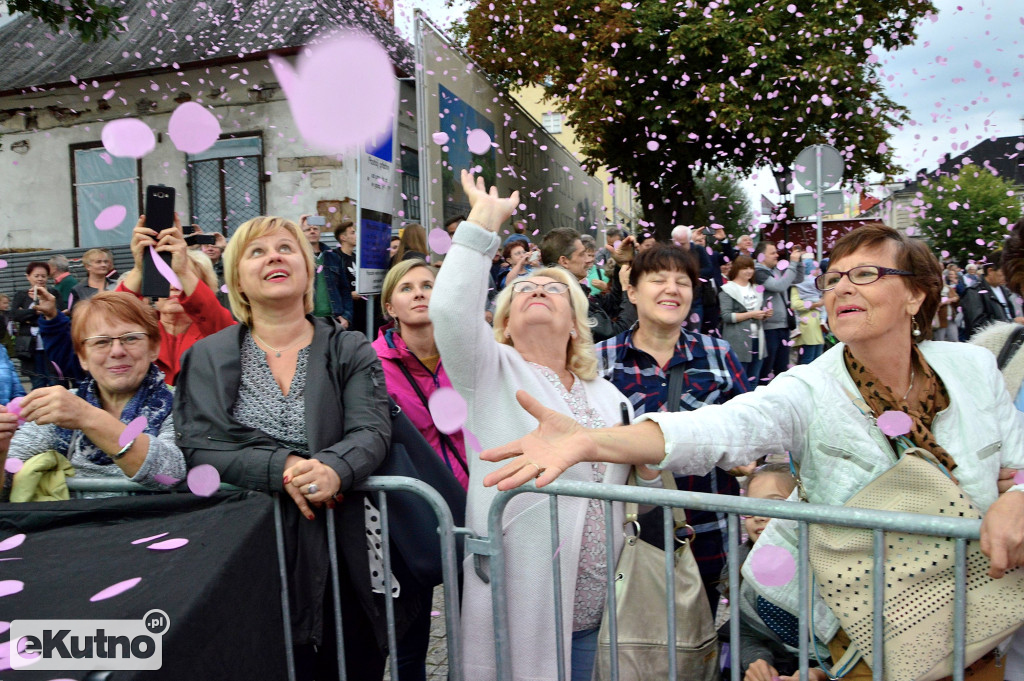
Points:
[(487, 208), (557, 443)]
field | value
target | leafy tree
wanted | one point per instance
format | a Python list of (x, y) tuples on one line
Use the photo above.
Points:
[(91, 19), (656, 90), (721, 200), (968, 214)]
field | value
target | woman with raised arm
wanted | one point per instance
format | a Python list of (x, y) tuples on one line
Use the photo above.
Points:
[(291, 403), (540, 342), (881, 290)]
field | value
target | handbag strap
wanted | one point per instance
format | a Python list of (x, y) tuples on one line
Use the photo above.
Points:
[(632, 508), (1011, 346), (446, 441), (675, 386)]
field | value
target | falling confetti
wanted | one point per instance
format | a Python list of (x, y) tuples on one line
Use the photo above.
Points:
[(149, 539), (115, 589), (894, 423), (440, 240), (12, 542), (164, 269), (448, 410), (110, 217), (773, 565), (168, 545), (203, 480), (128, 138), (193, 128), (478, 141)]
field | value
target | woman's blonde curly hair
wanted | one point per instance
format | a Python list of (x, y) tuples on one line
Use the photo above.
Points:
[(580, 357)]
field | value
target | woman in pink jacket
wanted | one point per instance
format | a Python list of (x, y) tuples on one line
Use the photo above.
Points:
[(413, 371)]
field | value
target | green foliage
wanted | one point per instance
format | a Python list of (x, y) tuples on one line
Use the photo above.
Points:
[(960, 209), (90, 19), (721, 200), (655, 89)]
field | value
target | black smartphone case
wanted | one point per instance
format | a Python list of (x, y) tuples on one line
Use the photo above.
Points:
[(159, 216)]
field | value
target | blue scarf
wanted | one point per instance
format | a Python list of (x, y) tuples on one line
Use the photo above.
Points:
[(153, 400)]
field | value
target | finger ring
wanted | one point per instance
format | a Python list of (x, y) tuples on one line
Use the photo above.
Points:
[(539, 469), (312, 489)]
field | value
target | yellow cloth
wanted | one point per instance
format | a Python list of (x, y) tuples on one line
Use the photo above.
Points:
[(43, 478), (809, 320), (431, 362)]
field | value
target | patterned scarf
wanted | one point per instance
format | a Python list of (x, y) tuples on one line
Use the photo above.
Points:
[(153, 400), (881, 399)]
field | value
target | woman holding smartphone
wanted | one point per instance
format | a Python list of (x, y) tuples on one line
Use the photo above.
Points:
[(35, 365)]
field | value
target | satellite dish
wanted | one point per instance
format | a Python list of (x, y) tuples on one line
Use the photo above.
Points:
[(806, 167)]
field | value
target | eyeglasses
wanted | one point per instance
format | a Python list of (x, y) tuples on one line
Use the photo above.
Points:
[(555, 288), (865, 274), (105, 343)]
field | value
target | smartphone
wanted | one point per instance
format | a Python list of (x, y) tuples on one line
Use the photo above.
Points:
[(316, 220), (194, 237), (709, 232), (159, 216)]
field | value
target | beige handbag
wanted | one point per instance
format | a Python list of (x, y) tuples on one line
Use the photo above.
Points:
[(919, 577), (641, 598)]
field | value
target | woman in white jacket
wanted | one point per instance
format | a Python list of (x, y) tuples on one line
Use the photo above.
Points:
[(540, 342), (881, 291)]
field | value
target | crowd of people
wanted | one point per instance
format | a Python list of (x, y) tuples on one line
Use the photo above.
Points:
[(256, 364)]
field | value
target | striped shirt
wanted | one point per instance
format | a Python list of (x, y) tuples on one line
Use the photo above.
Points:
[(713, 375)]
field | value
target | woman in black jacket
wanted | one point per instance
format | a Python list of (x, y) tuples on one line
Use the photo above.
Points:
[(35, 365), (285, 402)]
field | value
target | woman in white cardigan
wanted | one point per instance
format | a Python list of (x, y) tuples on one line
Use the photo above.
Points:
[(540, 342)]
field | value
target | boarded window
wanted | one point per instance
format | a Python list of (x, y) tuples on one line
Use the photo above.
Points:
[(225, 184), (102, 181)]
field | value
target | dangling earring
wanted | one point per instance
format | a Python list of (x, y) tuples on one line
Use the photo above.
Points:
[(572, 333), (917, 329)]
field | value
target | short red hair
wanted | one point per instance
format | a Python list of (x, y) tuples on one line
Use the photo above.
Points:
[(115, 305)]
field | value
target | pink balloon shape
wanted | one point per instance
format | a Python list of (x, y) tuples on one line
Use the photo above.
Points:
[(773, 566), (440, 138), (440, 240), (132, 430), (11, 586), (193, 128), (128, 138), (149, 539), (168, 545), (478, 141), (12, 542), (13, 465), (320, 92), (894, 423), (115, 589), (448, 410), (165, 270), (110, 217), (203, 480)]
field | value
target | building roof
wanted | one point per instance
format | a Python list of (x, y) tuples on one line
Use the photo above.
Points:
[(1003, 156), (168, 35)]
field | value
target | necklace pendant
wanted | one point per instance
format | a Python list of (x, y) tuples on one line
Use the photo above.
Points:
[(278, 354)]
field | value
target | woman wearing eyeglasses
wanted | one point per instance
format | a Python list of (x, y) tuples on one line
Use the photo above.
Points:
[(540, 342), (117, 339), (881, 291)]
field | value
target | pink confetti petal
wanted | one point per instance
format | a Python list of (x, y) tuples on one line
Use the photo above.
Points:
[(128, 138), (440, 138), (132, 430), (12, 542), (11, 586), (110, 217), (435, 613), (224, 288), (168, 545), (895, 423), (440, 240), (783, 265), (165, 480), (13, 465), (149, 539), (319, 91), (478, 141), (193, 128), (115, 589), (203, 480), (164, 269), (448, 410), (1018, 478), (56, 370), (5, 627), (653, 145), (3, 264), (472, 440), (773, 566)]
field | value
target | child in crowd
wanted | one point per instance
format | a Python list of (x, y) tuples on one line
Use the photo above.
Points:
[(765, 654)]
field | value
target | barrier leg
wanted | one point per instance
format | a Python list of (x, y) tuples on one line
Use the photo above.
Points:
[(332, 558), (286, 609)]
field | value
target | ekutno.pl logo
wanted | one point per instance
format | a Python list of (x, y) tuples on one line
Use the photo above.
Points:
[(66, 645)]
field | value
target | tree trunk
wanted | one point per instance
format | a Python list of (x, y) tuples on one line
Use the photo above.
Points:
[(666, 206)]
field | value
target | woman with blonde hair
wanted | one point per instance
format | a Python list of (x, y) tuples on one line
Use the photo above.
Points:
[(187, 314), (541, 342), (287, 402), (413, 244)]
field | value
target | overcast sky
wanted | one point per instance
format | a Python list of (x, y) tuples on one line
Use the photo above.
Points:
[(962, 81)]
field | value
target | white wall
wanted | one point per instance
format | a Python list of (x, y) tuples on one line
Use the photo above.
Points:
[(35, 188)]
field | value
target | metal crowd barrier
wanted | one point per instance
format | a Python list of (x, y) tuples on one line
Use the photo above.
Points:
[(381, 485), (878, 522)]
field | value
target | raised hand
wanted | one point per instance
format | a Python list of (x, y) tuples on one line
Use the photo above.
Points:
[(487, 208)]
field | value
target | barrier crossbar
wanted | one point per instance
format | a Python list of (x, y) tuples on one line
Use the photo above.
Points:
[(878, 522), (381, 486)]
